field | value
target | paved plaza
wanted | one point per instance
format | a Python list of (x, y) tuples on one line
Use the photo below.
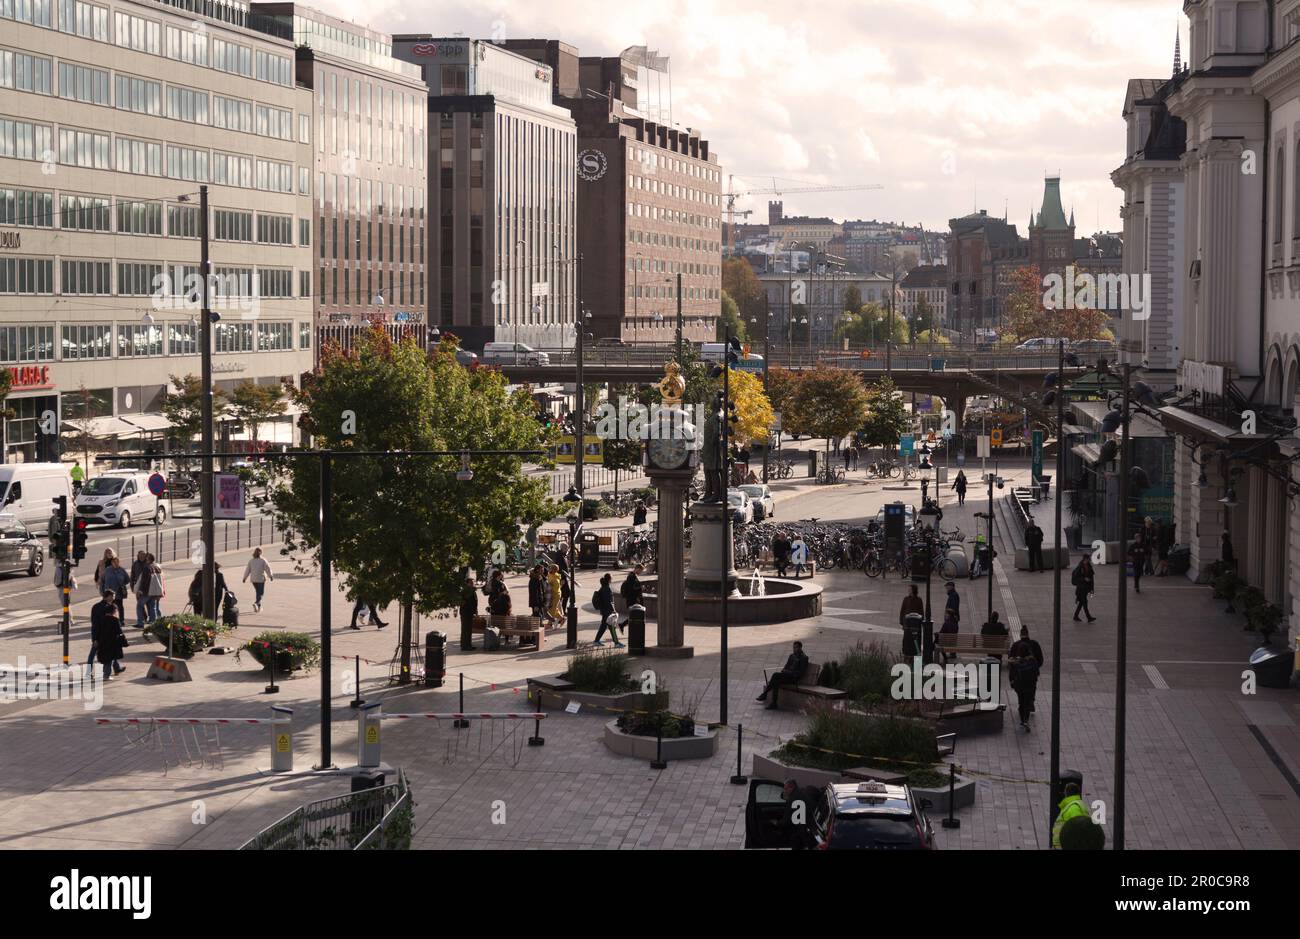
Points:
[(1208, 767)]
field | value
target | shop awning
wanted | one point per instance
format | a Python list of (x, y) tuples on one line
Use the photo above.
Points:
[(1090, 453), (101, 426), (147, 422)]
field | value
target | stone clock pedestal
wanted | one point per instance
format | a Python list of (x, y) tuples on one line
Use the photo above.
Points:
[(669, 573), (709, 555)]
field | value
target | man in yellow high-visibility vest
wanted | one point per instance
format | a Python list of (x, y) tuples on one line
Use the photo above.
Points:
[(1071, 807)]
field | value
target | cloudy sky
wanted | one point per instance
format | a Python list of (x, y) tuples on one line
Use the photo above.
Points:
[(948, 104)]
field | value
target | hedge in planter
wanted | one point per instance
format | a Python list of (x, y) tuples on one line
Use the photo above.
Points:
[(191, 634), (643, 724), (293, 651)]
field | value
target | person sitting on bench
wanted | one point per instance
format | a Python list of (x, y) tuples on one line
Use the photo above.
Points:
[(789, 674)]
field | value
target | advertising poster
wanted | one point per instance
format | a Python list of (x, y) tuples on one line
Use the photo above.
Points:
[(228, 490)]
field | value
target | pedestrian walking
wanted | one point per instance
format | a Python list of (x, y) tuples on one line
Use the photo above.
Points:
[(259, 572), (798, 554), (953, 603), (219, 590), (62, 570), (631, 590), (468, 610), (639, 514), (369, 606), (1139, 557), (105, 637), (102, 565), (555, 594), (1151, 537), (912, 603), (498, 594), (603, 601), (117, 580), (536, 591), (155, 588), (959, 484), (1226, 554), (1165, 541), (781, 552), (1084, 580), (1026, 659), (1034, 545), (139, 587)]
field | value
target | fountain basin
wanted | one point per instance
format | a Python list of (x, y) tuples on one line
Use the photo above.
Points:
[(784, 600)]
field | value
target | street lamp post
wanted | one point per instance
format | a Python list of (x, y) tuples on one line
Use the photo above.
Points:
[(679, 317), (929, 523), (208, 523), (575, 523), (579, 422), (732, 349)]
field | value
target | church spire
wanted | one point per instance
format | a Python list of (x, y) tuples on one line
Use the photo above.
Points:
[(1178, 54), (1071, 216)]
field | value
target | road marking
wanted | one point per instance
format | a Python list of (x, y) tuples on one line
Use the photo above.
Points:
[(19, 617), (1156, 678)]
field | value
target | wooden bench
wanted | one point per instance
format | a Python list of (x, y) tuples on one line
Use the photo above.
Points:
[(972, 644), (807, 688), (521, 626)]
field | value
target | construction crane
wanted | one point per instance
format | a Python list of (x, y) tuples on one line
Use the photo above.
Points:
[(732, 194)]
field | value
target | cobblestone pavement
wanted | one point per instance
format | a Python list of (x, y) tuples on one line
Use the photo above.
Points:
[(1207, 765)]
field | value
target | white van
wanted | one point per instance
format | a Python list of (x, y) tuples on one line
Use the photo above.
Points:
[(514, 353), (30, 490), (118, 497)]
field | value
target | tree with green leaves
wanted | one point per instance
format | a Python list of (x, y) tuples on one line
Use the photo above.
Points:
[(886, 418), (184, 408), (405, 526), (852, 299), (730, 320), (830, 403), (741, 284), (253, 405)]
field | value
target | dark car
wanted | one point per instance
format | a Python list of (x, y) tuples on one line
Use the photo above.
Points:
[(869, 816), (20, 552)]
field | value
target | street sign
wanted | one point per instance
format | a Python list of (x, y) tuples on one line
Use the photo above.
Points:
[(157, 484), (905, 443), (995, 437), (1036, 439)]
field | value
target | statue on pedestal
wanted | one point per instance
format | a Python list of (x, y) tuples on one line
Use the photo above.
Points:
[(715, 485)]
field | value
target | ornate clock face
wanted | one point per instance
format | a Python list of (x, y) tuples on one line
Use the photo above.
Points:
[(669, 452)]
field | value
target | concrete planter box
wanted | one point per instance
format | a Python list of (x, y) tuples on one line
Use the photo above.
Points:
[(1062, 558), (550, 693), (766, 767), (645, 748)]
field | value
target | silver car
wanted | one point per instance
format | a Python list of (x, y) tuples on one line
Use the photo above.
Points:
[(760, 497), (20, 552)]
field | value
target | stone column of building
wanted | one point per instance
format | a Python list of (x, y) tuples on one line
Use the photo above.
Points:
[(1128, 331), (1158, 328), (1191, 165), (1275, 539), (1220, 180), (1185, 474), (1256, 503), (1293, 570), (1205, 525)]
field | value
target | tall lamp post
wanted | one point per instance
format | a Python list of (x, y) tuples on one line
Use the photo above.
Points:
[(929, 516), (206, 494), (988, 516), (1056, 385), (1118, 419), (573, 499), (733, 350)]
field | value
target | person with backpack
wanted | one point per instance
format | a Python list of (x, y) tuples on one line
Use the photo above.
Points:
[(959, 484), (603, 601), (1026, 659), (1084, 580), (259, 571)]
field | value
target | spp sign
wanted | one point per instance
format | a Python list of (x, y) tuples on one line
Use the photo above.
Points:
[(443, 49)]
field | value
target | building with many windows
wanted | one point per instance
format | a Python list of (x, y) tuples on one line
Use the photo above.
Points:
[(367, 134), (112, 114), (649, 197), (502, 194)]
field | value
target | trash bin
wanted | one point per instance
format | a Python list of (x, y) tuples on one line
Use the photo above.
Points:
[(940, 476), (636, 629), (589, 550), (1272, 667), (813, 463), (1065, 776), (435, 658), (913, 634)]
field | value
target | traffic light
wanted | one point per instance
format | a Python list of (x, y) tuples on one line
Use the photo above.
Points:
[(79, 538), (58, 529)]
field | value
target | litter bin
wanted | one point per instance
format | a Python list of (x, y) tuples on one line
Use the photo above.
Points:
[(1272, 667), (589, 550), (435, 658), (940, 476), (636, 629), (1066, 776), (913, 634), (813, 463)]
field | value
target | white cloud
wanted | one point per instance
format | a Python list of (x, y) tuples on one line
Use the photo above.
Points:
[(873, 91)]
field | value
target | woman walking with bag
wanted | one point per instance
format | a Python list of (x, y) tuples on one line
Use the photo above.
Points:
[(603, 601), (156, 587), (260, 572)]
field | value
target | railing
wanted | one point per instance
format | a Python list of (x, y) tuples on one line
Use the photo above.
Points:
[(596, 478), (371, 819), (903, 357), (175, 544)]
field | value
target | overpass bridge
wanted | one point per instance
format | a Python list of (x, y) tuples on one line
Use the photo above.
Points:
[(953, 375)]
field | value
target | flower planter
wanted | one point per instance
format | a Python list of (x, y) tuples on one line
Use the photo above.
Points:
[(554, 693), (645, 748), (768, 767)]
